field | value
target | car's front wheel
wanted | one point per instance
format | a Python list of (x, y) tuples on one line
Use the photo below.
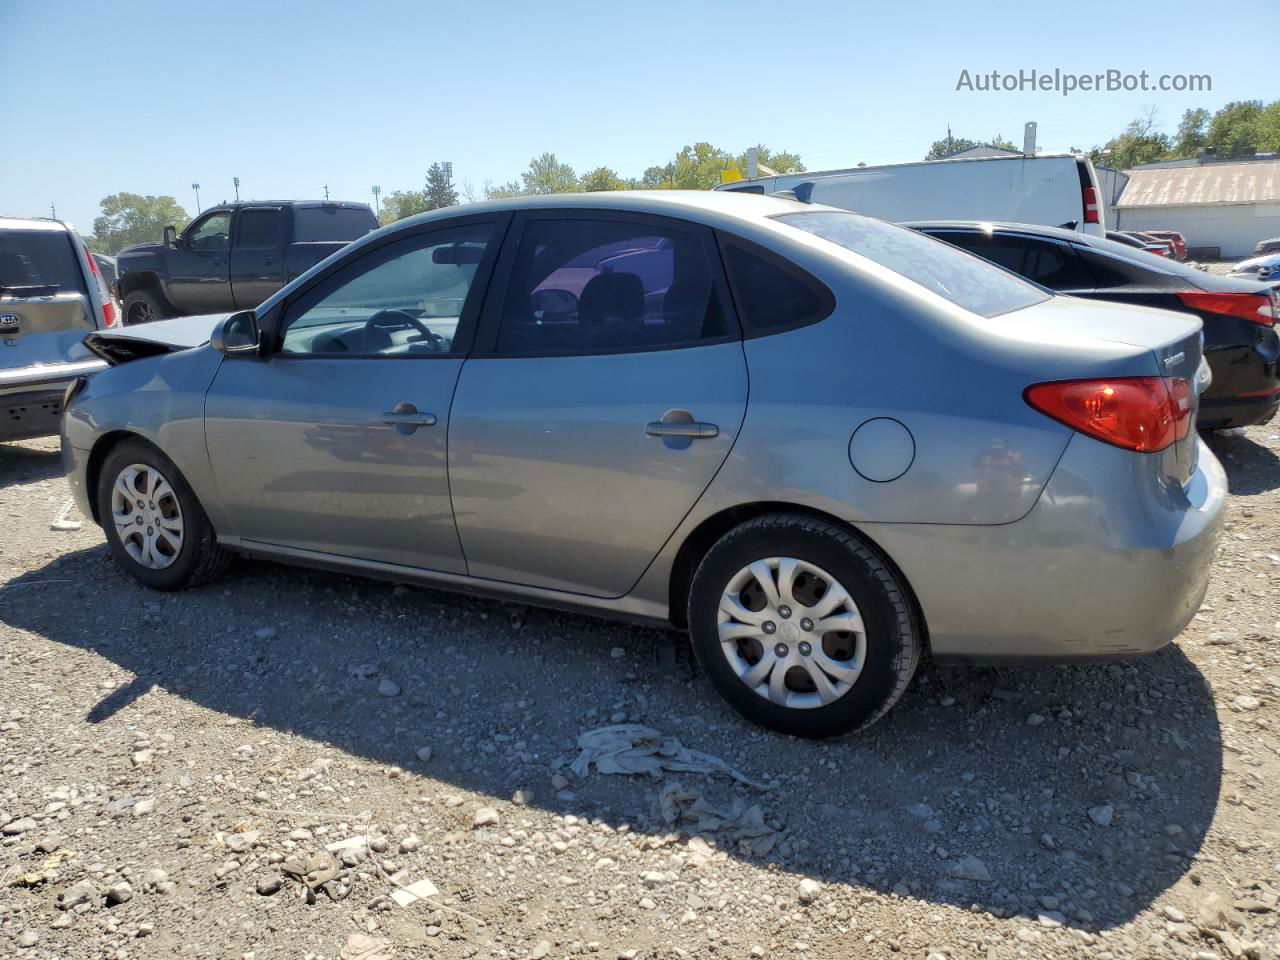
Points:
[(802, 627), (155, 527)]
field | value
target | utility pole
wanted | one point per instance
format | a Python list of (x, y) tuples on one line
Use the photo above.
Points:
[(236, 181), (196, 188), (447, 166), (53, 211), (377, 191), (326, 191)]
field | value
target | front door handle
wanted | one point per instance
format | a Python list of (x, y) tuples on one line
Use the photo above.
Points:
[(405, 418), (677, 429)]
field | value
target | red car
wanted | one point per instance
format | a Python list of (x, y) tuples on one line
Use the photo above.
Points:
[(1173, 236)]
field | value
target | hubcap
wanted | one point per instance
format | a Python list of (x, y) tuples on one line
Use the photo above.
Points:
[(147, 516), (763, 642)]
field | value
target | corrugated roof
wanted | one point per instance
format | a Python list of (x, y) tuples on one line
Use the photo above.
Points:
[(1257, 182)]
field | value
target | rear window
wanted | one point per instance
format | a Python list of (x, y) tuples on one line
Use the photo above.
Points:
[(312, 224), (967, 281), (39, 258)]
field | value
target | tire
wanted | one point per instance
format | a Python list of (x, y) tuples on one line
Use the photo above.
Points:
[(145, 306), (197, 558), (862, 686)]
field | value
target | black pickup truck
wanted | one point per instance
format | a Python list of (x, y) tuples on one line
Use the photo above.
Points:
[(234, 256)]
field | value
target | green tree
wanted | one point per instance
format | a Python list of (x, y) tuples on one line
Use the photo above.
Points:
[(601, 178), (1235, 130), (699, 167), (1192, 132), (949, 145), (439, 192), (779, 161), (1139, 143), (546, 174), (129, 218), (512, 188), (401, 204)]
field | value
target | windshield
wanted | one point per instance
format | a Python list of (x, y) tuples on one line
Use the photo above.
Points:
[(38, 258), (967, 281)]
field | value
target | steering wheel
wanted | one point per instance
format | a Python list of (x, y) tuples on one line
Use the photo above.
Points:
[(391, 319)]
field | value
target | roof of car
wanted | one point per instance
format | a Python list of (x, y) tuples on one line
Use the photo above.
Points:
[(1060, 233), (31, 223), (638, 201)]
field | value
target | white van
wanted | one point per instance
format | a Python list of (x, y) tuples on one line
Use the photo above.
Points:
[(1053, 190)]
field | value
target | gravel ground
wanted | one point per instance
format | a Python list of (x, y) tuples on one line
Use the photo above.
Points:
[(169, 763)]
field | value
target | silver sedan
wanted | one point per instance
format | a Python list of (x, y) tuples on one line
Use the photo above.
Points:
[(821, 443)]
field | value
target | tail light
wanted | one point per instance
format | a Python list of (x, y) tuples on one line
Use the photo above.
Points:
[(1144, 414), (1090, 197), (108, 305), (1259, 308)]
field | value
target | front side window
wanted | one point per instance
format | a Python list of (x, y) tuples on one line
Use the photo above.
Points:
[(211, 233), (601, 285), (952, 274), (258, 228), (402, 300)]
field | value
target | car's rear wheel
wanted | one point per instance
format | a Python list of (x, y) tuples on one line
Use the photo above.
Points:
[(156, 529), (802, 627), (145, 306)]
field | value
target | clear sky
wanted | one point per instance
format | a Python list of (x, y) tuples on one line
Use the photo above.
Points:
[(146, 97)]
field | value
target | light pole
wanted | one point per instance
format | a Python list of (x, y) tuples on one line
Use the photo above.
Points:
[(236, 181), (196, 188), (377, 191)]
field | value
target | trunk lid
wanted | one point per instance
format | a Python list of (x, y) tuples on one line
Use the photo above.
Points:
[(1086, 339)]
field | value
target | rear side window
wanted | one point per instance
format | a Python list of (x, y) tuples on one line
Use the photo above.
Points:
[(953, 274), (318, 224), (590, 286), (38, 258), (771, 294), (258, 227), (1046, 262)]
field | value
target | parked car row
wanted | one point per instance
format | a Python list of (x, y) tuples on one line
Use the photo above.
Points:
[(546, 399), (1238, 316)]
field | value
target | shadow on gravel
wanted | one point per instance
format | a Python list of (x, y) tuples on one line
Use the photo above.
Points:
[(24, 464), (1252, 468), (1003, 765)]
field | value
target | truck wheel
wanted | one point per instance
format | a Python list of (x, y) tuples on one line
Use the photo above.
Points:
[(144, 306)]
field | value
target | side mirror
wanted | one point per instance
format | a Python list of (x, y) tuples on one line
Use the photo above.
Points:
[(238, 336), (171, 237)]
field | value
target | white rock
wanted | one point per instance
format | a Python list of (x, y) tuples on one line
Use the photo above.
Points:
[(970, 868), (653, 879), (143, 807), (809, 890), (119, 892), (1034, 720), (542, 948), (28, 938), (265, 633), (388, 687), (617, 653), (410, 844), (15, 827), (424, 754), (485, 817), (1102, 814), (1245, 704)]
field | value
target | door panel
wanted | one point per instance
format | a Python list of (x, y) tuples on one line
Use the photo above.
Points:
[(303, 458), (555, 481), (257, 261), (199, 271)]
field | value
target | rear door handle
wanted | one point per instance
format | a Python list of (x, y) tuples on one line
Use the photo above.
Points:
[(693, 430), (405, 418)]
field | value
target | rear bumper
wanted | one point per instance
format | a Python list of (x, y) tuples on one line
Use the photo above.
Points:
[(27, 414), (1219, 412), (1107, 564)]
